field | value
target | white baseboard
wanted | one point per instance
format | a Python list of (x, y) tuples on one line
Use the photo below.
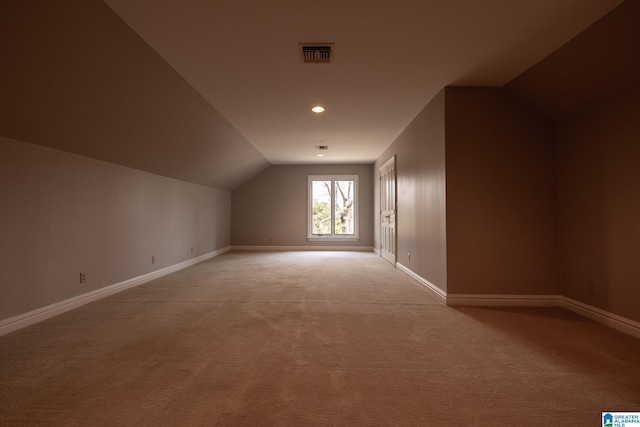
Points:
[(439, 293), (614, 321), (376, 251), (480, 300), (22, 320), (301, 248)]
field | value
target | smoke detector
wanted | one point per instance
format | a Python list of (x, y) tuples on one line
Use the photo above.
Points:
[(316, 53)]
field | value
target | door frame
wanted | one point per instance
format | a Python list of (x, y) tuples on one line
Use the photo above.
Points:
[(390, 164)]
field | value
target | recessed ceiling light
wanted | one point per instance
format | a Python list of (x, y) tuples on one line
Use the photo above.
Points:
[(321, 148), (317, 109)]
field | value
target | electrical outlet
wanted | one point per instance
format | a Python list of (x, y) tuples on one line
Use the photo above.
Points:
[(83, 277), (153, 260), (409, 257)]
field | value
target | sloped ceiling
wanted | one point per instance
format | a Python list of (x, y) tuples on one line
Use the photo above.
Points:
[(391, 58), (212, 92), (76, 78), (600, 62)]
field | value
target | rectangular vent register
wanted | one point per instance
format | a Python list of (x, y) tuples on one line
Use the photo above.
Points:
[(316, 53)]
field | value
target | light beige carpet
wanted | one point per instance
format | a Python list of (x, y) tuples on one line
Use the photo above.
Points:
[(310, 339)]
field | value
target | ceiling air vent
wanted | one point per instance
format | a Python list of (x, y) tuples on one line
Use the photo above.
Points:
[(316, 53), (322, 147)]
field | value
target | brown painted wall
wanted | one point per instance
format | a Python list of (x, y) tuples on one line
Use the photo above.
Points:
[(590, 87), (421, 218), (501, 207), (599, 199), (271, 208), (476, 195), (62, 214)]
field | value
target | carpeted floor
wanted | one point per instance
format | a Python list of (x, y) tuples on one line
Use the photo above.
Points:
[(310, 339)]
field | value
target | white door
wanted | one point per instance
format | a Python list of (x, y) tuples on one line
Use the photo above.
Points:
[(388, 211)]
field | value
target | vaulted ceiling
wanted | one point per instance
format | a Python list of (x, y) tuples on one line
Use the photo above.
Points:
[(212, 92)]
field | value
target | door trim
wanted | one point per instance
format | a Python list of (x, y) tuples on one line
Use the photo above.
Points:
[(388, 210)]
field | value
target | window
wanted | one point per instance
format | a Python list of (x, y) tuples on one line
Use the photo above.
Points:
[(333, 207)]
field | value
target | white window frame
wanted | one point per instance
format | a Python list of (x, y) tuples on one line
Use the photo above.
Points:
[(356, 212)]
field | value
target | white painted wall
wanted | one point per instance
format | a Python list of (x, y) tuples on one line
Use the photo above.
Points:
[(62, 214)]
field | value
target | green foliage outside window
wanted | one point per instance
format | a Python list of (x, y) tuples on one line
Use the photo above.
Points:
[(321, 218), (332, 205)]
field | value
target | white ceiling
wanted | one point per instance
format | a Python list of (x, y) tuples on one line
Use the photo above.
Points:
[(390, 59)]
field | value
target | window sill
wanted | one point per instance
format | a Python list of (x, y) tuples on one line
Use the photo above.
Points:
[(333, 239)]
